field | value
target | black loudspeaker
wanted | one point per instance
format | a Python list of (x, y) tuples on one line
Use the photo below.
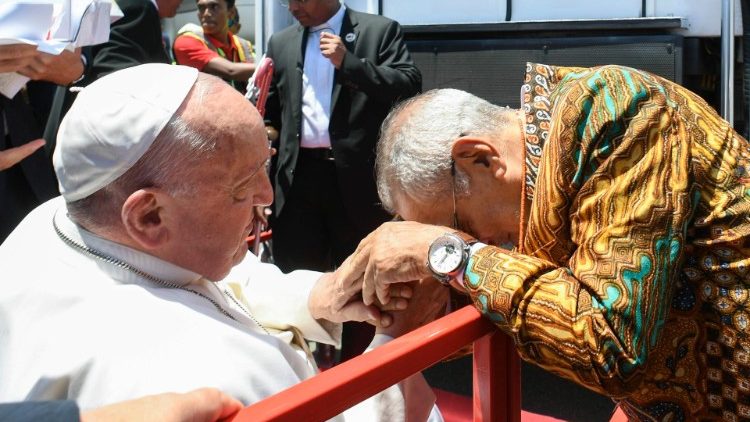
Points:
[(493, 68)]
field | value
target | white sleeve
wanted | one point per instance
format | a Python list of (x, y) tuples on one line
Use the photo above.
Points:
[(279, 300), (411, 400)]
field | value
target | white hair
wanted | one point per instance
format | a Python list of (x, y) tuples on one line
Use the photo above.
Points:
[(414, 150), (168, 164)]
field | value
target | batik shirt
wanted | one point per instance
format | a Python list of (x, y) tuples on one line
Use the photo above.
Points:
[(632, 272)]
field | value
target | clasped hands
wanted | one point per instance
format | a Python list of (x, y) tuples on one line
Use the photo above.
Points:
[(385, 281)]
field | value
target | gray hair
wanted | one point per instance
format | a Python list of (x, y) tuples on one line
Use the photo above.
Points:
[(414, 150), (167, 164)]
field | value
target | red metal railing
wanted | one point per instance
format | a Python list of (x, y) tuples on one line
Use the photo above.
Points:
[(497, 386)]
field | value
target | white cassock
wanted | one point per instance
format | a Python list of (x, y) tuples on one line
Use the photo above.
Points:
[(77, 327)]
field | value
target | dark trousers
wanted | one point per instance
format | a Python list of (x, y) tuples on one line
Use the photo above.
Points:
[(314, 232)]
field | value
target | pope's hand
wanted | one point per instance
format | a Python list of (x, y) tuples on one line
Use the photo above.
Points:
[(333, 300), (394, 253)]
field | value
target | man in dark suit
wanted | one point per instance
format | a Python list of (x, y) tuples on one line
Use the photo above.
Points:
[(336, 76), (133, 39)]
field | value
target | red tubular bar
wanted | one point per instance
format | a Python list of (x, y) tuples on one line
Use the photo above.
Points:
[(264, 236), (496, 373), (497, 379)]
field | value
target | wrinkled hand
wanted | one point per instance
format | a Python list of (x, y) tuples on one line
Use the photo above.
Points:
[(332, 48), (395, 252), (203, 405), (428, 302), (333, 300), (11, 156)]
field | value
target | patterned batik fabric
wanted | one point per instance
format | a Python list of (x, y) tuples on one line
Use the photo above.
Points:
[(633, 274)]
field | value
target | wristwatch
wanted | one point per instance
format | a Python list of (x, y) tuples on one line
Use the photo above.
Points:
[(448, 256)]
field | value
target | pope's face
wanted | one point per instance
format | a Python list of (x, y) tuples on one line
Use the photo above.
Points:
[(214, 222)]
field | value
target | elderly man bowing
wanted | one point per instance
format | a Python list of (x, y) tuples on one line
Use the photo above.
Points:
[(628, 200), (159, 169)]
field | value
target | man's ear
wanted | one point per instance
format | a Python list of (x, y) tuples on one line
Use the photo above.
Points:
[(475, 155), (142, 216)]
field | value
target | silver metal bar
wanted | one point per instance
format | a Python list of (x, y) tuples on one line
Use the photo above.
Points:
[(727, 60)]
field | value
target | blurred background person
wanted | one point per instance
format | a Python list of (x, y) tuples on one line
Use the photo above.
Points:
[(233, 21), (336, 75), (213, 48), (22, 118), (134, 39)]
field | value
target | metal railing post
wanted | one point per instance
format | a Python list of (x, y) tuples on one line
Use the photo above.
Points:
[(497, 379), (727, 60)]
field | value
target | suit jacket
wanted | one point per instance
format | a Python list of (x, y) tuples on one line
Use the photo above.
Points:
[(133, 39), (376, 72), (23, 125), (32, 181), (60, 410)]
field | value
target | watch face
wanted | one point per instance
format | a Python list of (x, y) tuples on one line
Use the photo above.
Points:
[(446, 254)]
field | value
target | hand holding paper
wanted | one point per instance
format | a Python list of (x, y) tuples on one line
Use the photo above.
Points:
[(53, 29), (14, 57)]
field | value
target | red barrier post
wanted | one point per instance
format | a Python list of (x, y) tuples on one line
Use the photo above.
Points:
[(497, 379)]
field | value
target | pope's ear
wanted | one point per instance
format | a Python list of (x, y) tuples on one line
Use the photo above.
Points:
[(474, 154), (142, 216)]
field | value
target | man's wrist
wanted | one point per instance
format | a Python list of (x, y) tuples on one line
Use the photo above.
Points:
[(84, 62), (448, 255), (462, 274)]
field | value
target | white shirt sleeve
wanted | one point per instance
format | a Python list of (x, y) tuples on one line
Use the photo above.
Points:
[(409, 400)]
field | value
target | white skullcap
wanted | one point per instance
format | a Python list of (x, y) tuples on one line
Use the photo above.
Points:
[(113, 122)]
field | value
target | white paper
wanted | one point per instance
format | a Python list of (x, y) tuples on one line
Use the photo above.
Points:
[(25, 20), (53, 26)]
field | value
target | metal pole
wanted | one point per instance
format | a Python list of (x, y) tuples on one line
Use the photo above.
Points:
[(727, 60)]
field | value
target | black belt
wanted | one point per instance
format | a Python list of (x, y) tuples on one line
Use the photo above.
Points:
[(318, 154)]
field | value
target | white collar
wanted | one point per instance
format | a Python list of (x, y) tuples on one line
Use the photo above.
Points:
[(142, 261), (156, 5), (334, 23)]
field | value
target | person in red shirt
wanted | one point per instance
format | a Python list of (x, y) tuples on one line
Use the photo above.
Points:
[(213, 48)]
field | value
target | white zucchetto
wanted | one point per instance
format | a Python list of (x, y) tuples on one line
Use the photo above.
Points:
[(113, 122)]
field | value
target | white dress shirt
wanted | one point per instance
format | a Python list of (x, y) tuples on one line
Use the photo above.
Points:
[(317, 86)]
